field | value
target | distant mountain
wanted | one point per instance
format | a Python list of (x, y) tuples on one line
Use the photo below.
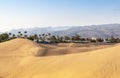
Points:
[(93, 31), (39, 30), (106, 30)]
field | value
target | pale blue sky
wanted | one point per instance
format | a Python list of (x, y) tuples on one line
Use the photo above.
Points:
[(38, 13)]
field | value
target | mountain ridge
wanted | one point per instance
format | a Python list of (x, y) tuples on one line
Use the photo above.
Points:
[(105, 30)]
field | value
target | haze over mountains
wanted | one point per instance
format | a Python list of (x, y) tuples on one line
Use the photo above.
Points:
[(105, 30)]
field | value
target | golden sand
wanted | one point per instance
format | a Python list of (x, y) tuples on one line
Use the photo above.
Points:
[(18, 60)]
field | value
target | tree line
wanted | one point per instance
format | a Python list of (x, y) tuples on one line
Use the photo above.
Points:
[(49, 38)]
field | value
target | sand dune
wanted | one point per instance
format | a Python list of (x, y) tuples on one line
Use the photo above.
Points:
[(19, 47), (12, 52), (16, 62)]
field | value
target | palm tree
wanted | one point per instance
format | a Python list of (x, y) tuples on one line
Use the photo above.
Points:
[(25, 34), (36, 38), (19, 34), (39, 35), (13, 35), (49, 34), (9, 35), (43, 37)]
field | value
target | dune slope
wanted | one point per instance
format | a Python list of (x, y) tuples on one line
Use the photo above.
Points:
[(103, 63), (96, 64), (12, 52)]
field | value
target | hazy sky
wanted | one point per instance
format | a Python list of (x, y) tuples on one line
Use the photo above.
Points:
[(36, 13)]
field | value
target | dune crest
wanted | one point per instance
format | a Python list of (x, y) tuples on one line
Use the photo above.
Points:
[(20, 47)]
